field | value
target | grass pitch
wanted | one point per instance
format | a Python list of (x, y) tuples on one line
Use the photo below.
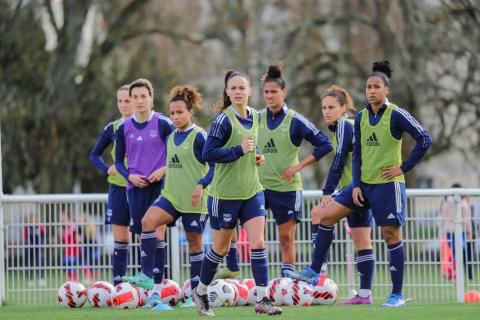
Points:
[(414, 310)]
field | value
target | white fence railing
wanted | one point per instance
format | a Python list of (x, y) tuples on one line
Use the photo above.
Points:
[(39, 232)]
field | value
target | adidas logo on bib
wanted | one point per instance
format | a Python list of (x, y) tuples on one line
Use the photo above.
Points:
[(372, 141), (270, 147), (175, 162)]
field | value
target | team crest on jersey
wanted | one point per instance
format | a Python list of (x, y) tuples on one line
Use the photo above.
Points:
[(153, 133), (372, 141), (185, 145), (131, 136), (270, 147)]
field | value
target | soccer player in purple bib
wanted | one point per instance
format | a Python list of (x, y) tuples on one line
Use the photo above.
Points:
[(117, 207), (187, 174), (235, 192), (142, 139), (378, 180)]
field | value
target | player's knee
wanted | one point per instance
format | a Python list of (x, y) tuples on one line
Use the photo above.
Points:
[(391, 236), (257, 244), (194, 243), (316, 214), (326, 218), (286, 239), (147, 224)]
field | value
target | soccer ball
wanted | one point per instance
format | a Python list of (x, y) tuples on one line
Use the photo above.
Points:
[(252, 291), (220, 294), (299, 293), (242, 290), (125, 296), (325, 291), (233, 283), (100, 294), (143, 295), (277, 290), (170, 292), (72, 294), (187, 289)]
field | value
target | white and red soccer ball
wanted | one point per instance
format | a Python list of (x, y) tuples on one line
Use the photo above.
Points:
[(170, 292), (252, 291), (242, 291), (277, 290), (299, 293), (325, 291), (221, 294), (125, 296), (72, 294), (99, 294)]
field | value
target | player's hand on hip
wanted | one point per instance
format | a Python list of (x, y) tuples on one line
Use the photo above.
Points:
[(112, 170), (138, 180), (358, 196), (248, 145), (289, 173), (390, 173)]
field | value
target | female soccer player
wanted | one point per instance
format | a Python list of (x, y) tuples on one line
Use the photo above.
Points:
[(377, 174), (336, 106), (143, 138), (282, 130), (186, 176), (117, 207), (235, 192)]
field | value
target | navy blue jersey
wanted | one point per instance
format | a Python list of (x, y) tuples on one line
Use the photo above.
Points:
[(344, 133), (106, 138), (401, 121)]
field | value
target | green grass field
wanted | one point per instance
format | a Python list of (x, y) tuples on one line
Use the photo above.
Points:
[(414, 310)]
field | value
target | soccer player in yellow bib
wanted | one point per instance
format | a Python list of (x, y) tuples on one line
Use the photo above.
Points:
[(281, 132), (183, 196), (117, 207), (235, 193), (377, 175)]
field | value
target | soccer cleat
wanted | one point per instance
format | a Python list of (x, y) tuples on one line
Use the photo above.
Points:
[(394, 300), (307, 275), (140, 279), (265, 306), (226, 273), (201, 302), (358, 300), (152, 301)]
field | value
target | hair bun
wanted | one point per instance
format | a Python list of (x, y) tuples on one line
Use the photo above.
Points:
[(274, 71), (382, 66)]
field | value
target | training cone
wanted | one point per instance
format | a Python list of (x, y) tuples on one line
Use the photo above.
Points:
[(162, 307), (472, 296)]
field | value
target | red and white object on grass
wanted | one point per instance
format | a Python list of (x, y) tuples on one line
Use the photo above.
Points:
[(125, 296), (277, 290), (100, 294), (325, 291), (72, 294), (187, 289), (242, 290), (170, 292), (299, 293)]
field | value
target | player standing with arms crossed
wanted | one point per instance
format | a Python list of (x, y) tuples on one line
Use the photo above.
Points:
[(117, 207), (378, 180), (235, 192)]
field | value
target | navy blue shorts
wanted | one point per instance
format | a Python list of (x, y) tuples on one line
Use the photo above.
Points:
[(192, 222), (387, 201), (139, 200), (285, 206), (117, 207), (361, 216), (225, 213)]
